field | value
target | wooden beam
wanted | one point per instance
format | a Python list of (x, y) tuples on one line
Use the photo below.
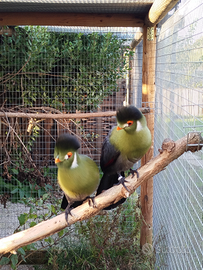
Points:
[(158, 11), (137, 39), (148, 99), (70, 19), (170, 151)]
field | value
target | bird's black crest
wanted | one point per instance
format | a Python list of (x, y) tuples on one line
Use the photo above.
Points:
[(67, 141), (128, 113)]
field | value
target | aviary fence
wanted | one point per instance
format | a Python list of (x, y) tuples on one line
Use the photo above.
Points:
[(178, 191), (35, 84), (49, 71)]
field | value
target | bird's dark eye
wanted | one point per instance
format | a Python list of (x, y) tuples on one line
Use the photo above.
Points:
[(129, 123), (68, 155)]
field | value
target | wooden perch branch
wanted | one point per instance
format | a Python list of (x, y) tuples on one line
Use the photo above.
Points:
[(64, 115), (170, 151)]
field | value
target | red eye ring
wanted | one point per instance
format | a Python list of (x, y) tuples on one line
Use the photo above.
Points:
[(130, 122), (69, 154)]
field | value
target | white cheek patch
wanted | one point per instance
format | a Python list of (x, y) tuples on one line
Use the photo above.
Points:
[(139, 126), (75, 163), (66, 157)]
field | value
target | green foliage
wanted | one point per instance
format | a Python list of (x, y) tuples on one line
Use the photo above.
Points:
[(109, 241), (19, 190), (4, 261), (66, 71), (69, 71), (24, 182), (39, 210), (21, 178), (15, 259)]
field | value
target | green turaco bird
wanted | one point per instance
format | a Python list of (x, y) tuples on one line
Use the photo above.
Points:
[(125, 144), (78, 175)]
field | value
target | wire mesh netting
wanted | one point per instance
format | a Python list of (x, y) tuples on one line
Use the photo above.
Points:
[(54, 70), (178, 191), (60, 70), (64, 70)]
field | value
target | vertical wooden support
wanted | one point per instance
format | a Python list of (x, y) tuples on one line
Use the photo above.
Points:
[(148, 99)]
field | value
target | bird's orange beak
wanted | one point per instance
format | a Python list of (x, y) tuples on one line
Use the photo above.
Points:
[(57, 160), (119, 128)]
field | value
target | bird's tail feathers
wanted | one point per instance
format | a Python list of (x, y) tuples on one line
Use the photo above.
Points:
[(65, 203), (108, 181)]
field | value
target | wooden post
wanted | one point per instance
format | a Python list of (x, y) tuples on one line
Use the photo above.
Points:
[(148, 99)]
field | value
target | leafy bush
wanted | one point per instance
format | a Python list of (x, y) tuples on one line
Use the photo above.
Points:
[(20, 176), (67, 71), (108, 241)]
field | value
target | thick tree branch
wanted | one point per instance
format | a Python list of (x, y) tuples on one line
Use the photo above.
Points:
[(169, 152)]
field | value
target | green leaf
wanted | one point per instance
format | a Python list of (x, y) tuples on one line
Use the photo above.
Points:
[(14, 260), (48, 187), (22, 193), (61, 233), (33, 216), (13, 266), (4, 261), (40, 202), (45, 196), (30, 247), (53, 209), (14, 171), (32, 224), (14, 191), (49, 240), (21, 251), (39, 192), (22, 219), (23, 257)]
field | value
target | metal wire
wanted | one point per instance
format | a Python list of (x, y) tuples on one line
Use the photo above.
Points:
[(178, 191), (48, 72)]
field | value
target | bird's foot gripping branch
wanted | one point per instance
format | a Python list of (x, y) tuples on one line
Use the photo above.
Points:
[(169, 152), (122, 181)]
